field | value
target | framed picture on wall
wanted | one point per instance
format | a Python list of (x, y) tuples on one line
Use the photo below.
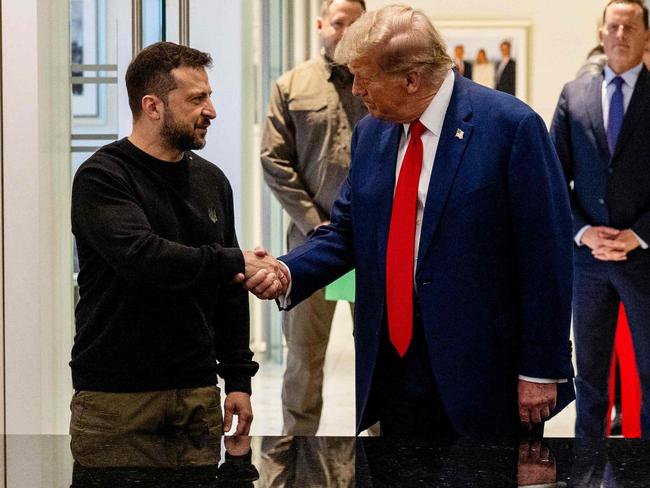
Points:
[(492, 53)]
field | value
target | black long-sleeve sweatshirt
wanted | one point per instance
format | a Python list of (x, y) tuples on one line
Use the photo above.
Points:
[(157, 254)]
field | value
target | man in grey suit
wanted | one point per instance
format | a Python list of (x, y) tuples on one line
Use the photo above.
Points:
[(305, 156), (600, 131)]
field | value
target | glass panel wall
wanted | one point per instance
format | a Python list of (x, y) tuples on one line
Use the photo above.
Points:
[(94, 108), (101, 46)]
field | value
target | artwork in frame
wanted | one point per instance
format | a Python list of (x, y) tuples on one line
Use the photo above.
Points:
[(492, 53), (84, 49)]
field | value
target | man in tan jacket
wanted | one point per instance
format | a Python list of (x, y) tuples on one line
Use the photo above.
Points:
[(305, 155)]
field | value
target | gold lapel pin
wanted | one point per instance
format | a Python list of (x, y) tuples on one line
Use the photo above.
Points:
[(459, 134)]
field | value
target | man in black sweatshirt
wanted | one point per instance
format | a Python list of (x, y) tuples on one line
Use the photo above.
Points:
[(159, 316)]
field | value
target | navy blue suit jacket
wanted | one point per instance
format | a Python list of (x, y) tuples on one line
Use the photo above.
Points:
[(494, 270), (608, 189)]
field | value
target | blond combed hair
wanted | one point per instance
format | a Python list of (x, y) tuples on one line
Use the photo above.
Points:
[(400, 39)]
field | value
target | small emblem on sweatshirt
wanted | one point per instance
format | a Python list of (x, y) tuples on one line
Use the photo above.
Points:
[(212, 213)]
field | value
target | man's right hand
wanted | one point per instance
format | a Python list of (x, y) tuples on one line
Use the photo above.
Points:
[(263, 275)]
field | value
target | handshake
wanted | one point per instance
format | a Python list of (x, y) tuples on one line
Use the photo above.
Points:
[(263, 275)]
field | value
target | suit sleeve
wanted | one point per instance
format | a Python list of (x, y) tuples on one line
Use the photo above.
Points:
[(543, 239), (107, 216), (561, 137), (232, 329), (280, 165)]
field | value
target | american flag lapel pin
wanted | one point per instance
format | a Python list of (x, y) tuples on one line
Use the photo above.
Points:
[(459, 134)]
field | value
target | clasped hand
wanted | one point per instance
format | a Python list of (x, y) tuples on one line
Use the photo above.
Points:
[(609, 244), (263, 275)]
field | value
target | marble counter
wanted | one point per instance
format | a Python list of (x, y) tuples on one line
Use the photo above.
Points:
[(147, 461)]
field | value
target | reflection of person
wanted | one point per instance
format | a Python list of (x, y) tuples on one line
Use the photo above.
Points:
[(463, 67), (139, 459), (307, 461), (534, 463), (483, 73), (158, 317), (506, 70), (306, 156), (492, 268), (600, 132)]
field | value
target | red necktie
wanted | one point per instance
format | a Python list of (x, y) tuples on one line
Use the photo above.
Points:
[(401, 240)]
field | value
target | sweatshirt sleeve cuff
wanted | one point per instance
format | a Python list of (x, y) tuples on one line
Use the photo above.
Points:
[(238, 383), (231, 263)]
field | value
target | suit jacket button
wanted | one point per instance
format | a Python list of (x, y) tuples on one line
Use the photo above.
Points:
[(610, 170), (601, 201)]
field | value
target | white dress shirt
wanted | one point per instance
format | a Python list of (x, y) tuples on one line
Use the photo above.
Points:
[(630, 78), (432, 118), (501, 67)]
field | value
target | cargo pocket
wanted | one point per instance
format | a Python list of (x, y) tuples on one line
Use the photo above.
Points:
[(94, 415), (214, 418)]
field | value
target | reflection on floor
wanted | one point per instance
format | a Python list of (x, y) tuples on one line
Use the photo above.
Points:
[(338, 403)]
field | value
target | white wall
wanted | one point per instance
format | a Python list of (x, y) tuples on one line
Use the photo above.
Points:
[(216, 27), (561, 35), (37, 241)]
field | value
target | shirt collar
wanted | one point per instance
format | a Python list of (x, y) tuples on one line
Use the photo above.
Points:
[(629, 77), (335, 71), (434, 115)]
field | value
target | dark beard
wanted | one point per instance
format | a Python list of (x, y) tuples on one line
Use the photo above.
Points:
[(176, 136)]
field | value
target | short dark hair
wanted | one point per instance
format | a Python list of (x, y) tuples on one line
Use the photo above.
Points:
[(150, 71), (326, 5), (633, 2)]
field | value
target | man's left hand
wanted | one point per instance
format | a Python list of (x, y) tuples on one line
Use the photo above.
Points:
[(536, 400), (238, 403)]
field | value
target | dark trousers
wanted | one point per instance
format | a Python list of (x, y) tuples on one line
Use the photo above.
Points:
[(598, 289), (407, 398)]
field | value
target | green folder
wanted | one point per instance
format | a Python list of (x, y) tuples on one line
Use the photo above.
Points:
[(341, 289)]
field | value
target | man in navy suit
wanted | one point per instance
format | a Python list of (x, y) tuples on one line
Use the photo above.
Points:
[(506, 75), (464, 276), (601, 132)]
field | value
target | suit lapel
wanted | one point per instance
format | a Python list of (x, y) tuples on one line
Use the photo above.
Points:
[(385, 185), (638, 104), (595, 109), (448, 157)]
